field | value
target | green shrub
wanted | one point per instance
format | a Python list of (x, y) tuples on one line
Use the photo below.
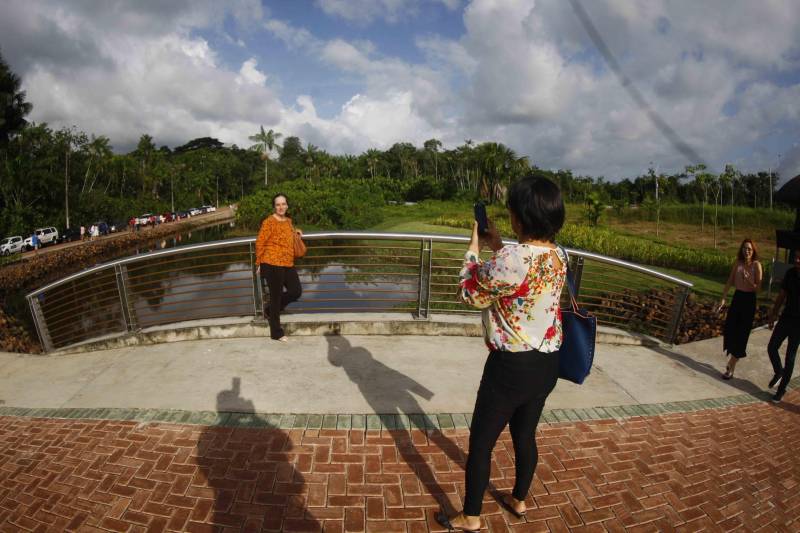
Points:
[(325, 204)]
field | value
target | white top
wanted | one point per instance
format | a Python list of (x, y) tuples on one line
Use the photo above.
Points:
[(519, 289)]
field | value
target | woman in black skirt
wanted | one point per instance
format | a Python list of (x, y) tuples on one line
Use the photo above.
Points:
[(746, 278)]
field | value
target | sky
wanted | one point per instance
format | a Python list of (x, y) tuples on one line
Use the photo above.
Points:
[(716, 81)]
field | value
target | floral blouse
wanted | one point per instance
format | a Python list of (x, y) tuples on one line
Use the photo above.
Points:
[(519, 290)]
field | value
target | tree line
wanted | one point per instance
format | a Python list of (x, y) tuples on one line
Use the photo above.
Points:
[(65, 177)]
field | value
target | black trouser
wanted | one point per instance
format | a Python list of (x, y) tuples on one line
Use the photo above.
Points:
[(276, 278), (513, 390), (786, 327)]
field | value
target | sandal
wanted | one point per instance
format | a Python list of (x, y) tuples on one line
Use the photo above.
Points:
[(728, 373), (505, 502), (444, 521)]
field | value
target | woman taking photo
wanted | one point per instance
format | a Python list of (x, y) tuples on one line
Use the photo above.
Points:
[(746, 278), (519, 290), (275, 260)]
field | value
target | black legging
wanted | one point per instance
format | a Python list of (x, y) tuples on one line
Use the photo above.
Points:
[(513, 390), (276, 278)]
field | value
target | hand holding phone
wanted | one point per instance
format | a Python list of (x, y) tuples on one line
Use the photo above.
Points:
[(480, 217)]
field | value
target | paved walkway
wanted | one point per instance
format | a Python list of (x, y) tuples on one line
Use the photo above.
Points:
[(285, 438)]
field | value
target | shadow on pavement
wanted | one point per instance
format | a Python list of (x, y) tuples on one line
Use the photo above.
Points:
[(743, 385), (249, 473), (389, 393)]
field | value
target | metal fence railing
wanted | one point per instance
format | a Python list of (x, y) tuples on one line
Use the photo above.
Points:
[(342, 272)]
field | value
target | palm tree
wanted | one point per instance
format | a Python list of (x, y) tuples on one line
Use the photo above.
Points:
[(265, 143), (498, 162)]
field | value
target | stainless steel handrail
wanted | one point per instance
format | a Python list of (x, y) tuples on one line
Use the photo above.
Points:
[(430, 266)]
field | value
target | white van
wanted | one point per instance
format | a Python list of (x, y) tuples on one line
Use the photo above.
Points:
[(48, 235), (11, 245)]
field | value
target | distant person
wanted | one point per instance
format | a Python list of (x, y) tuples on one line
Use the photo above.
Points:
[(788, 327), (83, 232), (275, 260), (35, 243), (519, 290), (745, 276)]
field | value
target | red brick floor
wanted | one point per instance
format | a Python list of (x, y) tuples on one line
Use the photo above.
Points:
[(718, 470)]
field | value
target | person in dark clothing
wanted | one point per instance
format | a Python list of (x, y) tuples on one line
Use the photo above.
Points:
[(788, 326)]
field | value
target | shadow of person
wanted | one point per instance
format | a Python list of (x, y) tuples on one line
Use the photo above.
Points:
[(248, 479), (743, 385), (390, 393)]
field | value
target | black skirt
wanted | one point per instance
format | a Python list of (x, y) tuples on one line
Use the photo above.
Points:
[(738, 324)]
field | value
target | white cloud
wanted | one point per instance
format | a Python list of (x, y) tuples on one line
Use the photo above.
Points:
[(250, 74), (524, 72)]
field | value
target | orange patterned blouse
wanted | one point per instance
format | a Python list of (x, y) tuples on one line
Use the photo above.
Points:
[(275, 242)]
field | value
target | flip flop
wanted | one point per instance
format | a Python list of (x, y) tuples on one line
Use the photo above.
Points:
[(444, 521), (505, 504)]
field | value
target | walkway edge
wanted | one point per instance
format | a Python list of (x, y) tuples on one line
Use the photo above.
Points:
[(360, 421)]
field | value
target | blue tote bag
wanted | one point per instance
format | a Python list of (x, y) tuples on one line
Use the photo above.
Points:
[(576, 354)]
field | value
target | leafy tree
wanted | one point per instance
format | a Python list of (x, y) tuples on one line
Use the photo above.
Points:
[(13, 107)]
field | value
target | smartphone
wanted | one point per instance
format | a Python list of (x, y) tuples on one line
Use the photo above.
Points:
[(480, 216)]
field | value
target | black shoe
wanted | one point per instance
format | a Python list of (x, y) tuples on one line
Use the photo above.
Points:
[(775, 379), (778, 397)]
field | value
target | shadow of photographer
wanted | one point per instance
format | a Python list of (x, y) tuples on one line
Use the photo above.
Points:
[(390, 393), (248, 472)]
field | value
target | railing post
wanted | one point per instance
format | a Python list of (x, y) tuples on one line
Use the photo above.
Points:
[(677, 313), (41, 325), (128, 314), (577, 273), (258, 306), (425, 265)]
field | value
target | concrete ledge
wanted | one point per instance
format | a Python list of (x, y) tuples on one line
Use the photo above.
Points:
[(371, 421), (401, 324)]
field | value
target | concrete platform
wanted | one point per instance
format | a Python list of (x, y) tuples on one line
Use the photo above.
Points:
[(356, 374)]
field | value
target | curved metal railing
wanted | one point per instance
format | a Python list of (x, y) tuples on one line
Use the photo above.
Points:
[(344, 271)]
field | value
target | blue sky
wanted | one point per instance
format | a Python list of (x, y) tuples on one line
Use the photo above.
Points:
[(348, 75)]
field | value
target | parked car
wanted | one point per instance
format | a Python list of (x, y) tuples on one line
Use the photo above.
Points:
[(168, 217), (11, 245), (182, 214), (70, 234), (118, 226), (48, 235), (193, 211), (145, 219), (102, 228), (208, 208)]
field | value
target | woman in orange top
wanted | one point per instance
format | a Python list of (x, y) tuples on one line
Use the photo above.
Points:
[(275, 258)]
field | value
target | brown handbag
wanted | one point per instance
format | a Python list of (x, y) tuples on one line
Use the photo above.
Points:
[(299, 246)]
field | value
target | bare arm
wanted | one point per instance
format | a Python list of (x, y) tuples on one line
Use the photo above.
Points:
[(728, 285)]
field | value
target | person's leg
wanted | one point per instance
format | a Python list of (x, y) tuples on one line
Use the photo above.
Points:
[(294, 290), (524, 421), (490, 416), (791, 353), (779, 334), (274, 277)]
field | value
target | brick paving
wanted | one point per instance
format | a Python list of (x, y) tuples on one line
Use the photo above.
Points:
[(733, 468)]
